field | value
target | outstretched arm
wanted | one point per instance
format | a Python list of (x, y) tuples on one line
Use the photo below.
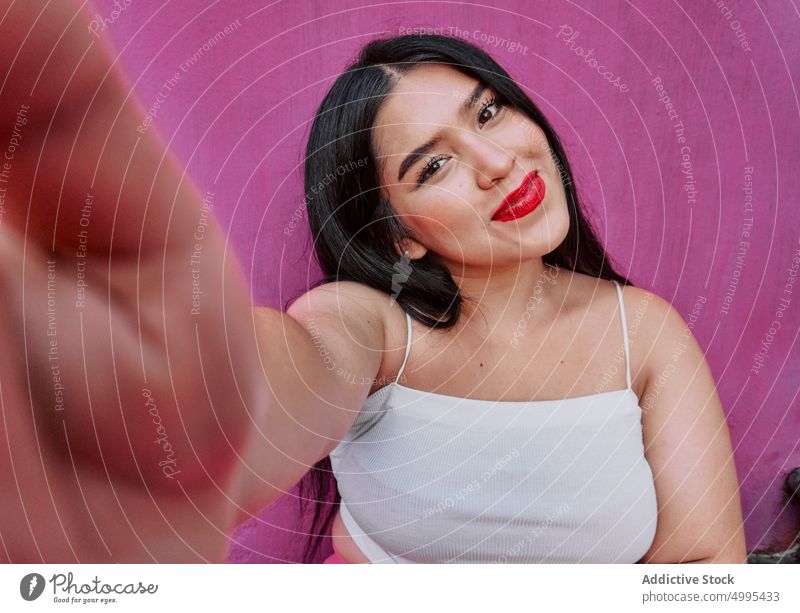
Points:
[(320, 358), (123, 280), (135, 361)]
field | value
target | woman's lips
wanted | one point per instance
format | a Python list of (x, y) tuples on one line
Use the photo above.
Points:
[(522, 200)]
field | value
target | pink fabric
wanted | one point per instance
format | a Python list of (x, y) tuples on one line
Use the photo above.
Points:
[(666, 185)]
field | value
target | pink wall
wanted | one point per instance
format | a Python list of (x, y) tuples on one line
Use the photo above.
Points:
[(238, 116)]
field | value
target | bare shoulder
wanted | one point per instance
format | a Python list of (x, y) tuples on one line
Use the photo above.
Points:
[(656, 330), (347, 298), (646, 311), (660, 338), (351, 315), (358, 306)]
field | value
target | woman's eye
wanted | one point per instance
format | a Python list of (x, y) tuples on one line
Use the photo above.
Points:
[(489, 111), (431, 168)]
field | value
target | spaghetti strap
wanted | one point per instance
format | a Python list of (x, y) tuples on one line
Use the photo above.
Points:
[(624, 335), (408, 347)]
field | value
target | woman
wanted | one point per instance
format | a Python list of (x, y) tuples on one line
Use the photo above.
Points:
[(535, 422)]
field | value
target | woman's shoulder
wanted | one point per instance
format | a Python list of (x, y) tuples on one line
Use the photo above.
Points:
[(348, 304), (596, 297), (344, 293), (655, 328), (355, 299), (659, 336), (650, 315), (639, 303)]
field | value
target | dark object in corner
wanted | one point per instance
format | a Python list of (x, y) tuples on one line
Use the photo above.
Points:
[(793, 484), (791, 555)]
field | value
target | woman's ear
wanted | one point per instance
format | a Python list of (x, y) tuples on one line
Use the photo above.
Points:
[(414, 249)]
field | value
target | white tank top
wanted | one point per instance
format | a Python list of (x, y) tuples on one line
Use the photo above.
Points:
[(429, 478)]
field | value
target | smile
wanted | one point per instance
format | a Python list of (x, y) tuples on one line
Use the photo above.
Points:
[(522, 200)]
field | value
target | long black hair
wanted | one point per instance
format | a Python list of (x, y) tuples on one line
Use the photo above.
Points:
[(354, 228)]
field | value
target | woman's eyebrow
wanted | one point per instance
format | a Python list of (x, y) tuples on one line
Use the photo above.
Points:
[(474, 97), (415, 155), (420, 151)]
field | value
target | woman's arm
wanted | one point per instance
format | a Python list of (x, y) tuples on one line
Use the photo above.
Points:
[(141, 389), (132, 317), (686, 442), (320, 359)]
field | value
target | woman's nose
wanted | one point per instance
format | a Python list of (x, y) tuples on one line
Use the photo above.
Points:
[(493, 162)]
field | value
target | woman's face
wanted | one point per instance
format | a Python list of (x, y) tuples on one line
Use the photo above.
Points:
[(478, 152)]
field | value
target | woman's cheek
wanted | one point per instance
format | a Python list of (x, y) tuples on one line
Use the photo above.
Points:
[(438, 231), (540, 147), (445, 234)]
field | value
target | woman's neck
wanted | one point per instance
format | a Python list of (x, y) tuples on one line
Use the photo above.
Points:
[(502, 297)]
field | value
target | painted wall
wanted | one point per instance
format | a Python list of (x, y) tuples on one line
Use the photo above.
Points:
[(696, 200)]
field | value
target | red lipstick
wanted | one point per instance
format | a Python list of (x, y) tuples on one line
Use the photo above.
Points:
[(522, 200)]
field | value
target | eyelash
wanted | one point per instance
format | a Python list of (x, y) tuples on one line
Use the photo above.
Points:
[(428, 170), (490, 102)]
